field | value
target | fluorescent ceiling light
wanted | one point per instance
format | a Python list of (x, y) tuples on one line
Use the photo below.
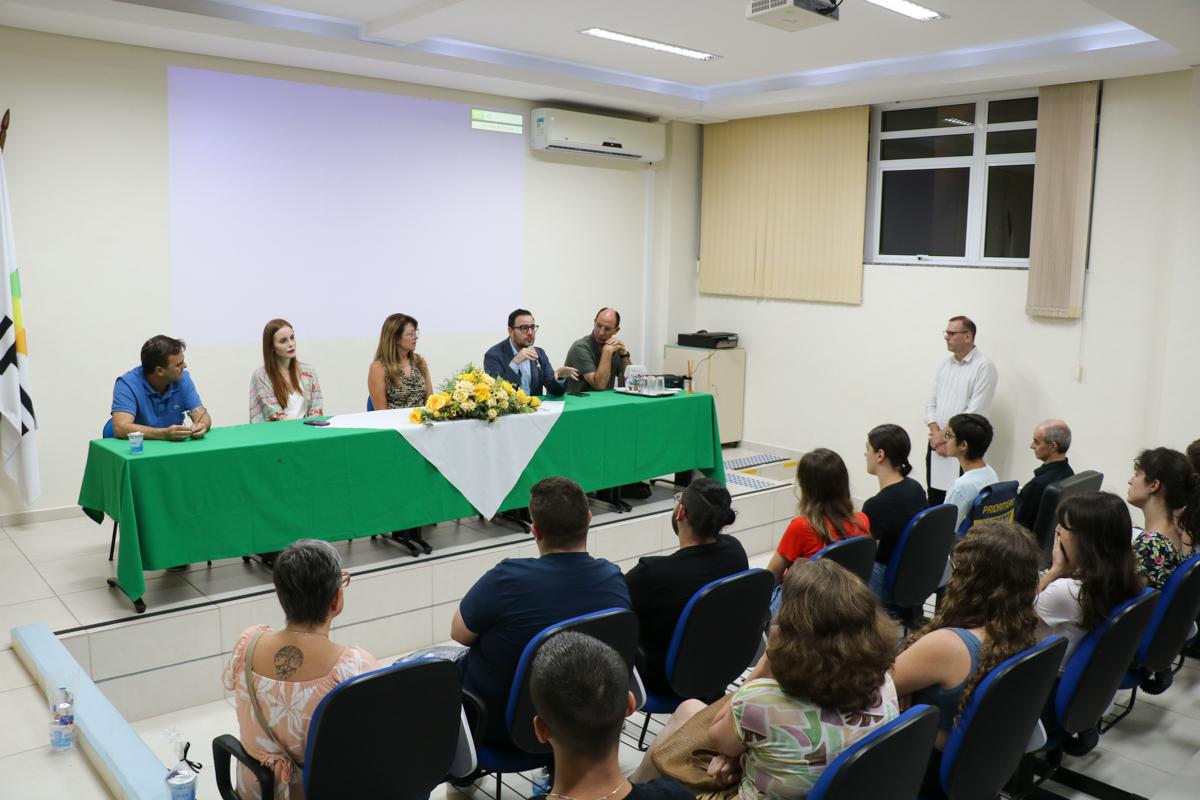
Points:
[(662, 47), (956, 121), (919, 13)]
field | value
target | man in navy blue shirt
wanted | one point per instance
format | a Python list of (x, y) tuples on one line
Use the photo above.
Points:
[(153, 398), (519, 597)]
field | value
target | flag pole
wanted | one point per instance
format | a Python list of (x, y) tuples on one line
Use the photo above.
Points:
[(4, 128)]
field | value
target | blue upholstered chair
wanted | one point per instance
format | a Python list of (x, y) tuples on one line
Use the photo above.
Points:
[(918, 561), (888, 762), (856, 554), (996, 501), (393, 733)]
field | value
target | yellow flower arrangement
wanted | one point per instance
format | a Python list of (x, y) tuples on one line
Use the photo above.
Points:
[(473, 394)]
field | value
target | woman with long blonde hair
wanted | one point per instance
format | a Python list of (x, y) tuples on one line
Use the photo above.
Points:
[(283, 387), (398, 377)]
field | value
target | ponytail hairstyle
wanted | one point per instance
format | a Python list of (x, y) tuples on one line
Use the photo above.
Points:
[(825, 493), (894, 442), (1180, 487), (709, 507), (279, 384), (1100, 526)]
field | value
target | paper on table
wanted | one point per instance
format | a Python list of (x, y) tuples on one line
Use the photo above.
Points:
[(483, 460)]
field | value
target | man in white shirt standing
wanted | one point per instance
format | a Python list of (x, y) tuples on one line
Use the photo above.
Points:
[(964, 384)]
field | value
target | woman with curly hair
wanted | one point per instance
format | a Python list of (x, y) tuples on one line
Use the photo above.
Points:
[(986, 616), (1092, 569), (822, 685)]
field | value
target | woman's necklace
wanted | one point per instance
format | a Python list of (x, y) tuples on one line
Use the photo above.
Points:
[(620, 786), (309, 633)]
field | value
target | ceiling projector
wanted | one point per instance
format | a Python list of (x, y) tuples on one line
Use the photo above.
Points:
[(792, 15)]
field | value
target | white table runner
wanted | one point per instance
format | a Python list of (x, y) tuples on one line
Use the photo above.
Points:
[(483, 460)]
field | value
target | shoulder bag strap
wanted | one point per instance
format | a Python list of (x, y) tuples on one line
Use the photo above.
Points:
[(258, 713)]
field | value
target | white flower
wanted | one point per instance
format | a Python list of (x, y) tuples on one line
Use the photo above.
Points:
[(467, 405), (491, 413), (491, 402)]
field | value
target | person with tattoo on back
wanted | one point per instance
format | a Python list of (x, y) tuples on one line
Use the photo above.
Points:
[(284, 674)]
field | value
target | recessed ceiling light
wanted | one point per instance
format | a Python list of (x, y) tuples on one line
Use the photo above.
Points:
[(919, 13), (662, 47)]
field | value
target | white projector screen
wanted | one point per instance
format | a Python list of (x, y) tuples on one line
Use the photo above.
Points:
[(334, 207)]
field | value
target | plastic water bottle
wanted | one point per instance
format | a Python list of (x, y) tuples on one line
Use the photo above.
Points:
[(541, 782), (62, 721), (181, 780)]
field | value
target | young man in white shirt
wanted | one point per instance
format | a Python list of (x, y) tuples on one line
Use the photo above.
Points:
[(968, 437)]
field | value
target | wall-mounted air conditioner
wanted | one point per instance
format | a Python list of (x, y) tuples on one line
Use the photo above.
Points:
[(594, 134)]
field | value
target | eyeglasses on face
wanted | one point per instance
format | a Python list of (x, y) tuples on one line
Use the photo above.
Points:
[(413, 334), (600, 326), (953, 333), (526, 328), (345, 579)]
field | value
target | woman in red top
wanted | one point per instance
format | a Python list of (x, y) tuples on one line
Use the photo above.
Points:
[(827, 514)]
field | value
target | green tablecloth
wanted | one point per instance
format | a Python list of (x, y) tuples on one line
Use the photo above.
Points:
[(256, 488)]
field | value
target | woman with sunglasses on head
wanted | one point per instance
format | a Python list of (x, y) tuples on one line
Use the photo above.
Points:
[(398, 377), (985, 617), (283, 387), (660, 586), (1166, 489), (279, 677), (1092, 570)]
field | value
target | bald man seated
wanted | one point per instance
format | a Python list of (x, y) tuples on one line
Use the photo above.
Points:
[(1051, 440)]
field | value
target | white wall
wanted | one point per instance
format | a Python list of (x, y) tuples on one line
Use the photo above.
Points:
[(823, 375), (87, 169)]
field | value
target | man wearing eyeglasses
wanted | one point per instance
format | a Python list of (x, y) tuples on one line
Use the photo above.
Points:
[(965, 383), (600, 357), (517, 361)]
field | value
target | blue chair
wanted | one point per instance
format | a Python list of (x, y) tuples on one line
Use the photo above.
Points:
[(918, 561), (370, 405), (1043, 527), (1172, 625), (716, 638), (616, 627), (997, 501), (856, 554), (1089, 680), (986, 745), (888, 762), (388, 733)]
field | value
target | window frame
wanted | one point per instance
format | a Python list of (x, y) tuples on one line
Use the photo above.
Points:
[(978, 163)]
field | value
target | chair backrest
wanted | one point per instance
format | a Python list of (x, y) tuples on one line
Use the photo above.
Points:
[(107, 431), (1176, 612), (1043, 527), (986, 744), (995, 501), (1093, 674), (412, 709), (919, 558), (616, 627), (370, 405), (718, 633), (888, 762), (856, 554)]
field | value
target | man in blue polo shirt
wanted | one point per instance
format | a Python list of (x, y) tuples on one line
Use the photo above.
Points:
[(154, 397), (518, 597)]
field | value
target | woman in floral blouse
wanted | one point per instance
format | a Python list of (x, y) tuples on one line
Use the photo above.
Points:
[(292, 669), (1167, 491), (283, 387)]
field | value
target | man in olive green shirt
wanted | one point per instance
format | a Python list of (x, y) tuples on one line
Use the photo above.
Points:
[(600, 357)]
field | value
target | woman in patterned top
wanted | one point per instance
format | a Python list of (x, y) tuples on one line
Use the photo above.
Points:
[(283, 387), (279, 677), (822, 685), (398, 377), (1167, 491)]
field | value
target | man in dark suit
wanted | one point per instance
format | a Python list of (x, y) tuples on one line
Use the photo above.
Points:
[(517, 361)]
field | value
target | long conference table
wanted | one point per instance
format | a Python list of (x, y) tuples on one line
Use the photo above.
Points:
[(256, 488)]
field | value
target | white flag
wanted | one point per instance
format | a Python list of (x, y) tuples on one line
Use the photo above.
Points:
[(18, 427)]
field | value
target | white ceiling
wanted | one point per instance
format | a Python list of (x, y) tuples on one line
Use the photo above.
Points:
[(532, 49)]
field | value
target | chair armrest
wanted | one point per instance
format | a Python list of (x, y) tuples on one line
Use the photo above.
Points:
[(225, 746), (476, 711)]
